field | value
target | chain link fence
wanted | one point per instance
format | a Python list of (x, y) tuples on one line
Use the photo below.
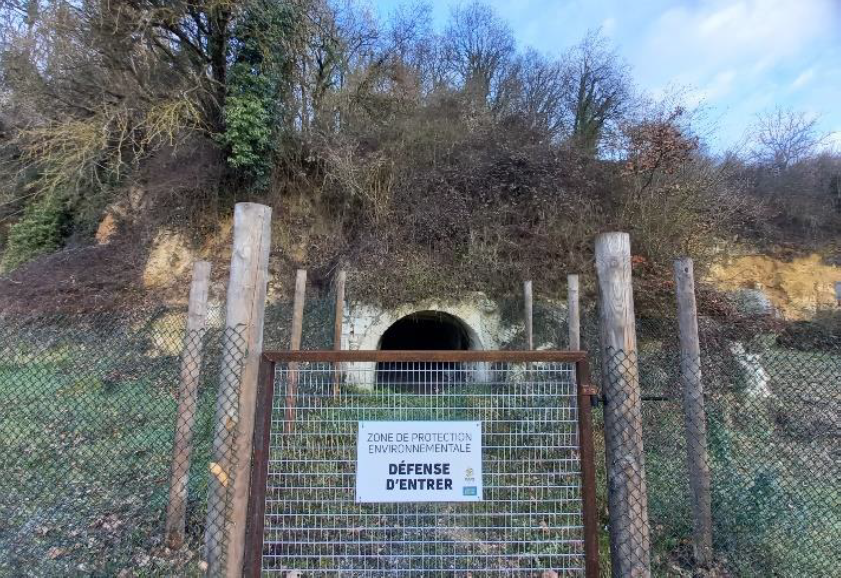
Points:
[(742, 481), (95, 409), (317, 329), (98, 412)]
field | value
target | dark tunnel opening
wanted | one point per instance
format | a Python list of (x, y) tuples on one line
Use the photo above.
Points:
[(424, 331)]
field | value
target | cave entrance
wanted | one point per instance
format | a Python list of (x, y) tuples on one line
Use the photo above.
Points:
[(425, 331)]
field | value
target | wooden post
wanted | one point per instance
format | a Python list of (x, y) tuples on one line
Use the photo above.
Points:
[(229, 482), (574, 313), (191, 365), (527, 295), (590, 516), (341, 280), (627, 496), (693, 412), (298, 310), (294, 345), (838, 293), (259, 471)]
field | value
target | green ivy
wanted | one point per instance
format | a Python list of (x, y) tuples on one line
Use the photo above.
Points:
[(248, 134), (257, 82), (42, 229)]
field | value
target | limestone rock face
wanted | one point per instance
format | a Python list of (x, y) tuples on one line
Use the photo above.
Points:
[(795, 288), (107, 229), (170, 259), (133, 203)]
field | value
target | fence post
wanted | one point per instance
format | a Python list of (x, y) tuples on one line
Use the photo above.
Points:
[(228, 486), (625, 460), (693, 412), (294, 345), (341, 280), (298, 310), (574, 313), (529, 308), (259, 470), (191, 366)]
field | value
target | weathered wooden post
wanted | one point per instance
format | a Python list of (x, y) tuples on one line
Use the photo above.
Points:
[(574, 313), (295, 340), (529, 310), (625, 460), (298, 305), (693, 412), (228, 486), (341, 280), (191, 366)]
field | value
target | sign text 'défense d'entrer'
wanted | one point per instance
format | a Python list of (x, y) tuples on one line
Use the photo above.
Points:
[(419, 461)]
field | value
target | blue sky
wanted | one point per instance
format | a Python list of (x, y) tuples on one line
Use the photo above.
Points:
[(735, 58)]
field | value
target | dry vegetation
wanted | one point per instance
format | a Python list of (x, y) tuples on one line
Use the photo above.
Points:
[(429, 161)]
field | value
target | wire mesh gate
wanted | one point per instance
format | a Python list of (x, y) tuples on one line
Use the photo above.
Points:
[(537, 516)]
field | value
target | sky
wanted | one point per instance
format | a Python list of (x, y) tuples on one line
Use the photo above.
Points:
[(732, 58)]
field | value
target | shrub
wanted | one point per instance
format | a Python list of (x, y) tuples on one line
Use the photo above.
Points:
[(42, 229), (248, 135)]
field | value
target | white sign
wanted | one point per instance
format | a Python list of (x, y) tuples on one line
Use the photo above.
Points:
[(419, 461)]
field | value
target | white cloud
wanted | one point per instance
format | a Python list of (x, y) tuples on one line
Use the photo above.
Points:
[(718, 87), (735, 57), (704, 38), (739, 56), (721, 84), (805, 78)]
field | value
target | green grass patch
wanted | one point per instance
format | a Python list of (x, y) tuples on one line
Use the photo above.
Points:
[(86, 439)]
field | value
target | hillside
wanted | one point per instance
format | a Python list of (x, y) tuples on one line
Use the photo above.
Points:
[(445, 387), (425, 162)]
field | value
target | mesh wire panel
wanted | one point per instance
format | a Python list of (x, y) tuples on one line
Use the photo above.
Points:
[(529, 523)]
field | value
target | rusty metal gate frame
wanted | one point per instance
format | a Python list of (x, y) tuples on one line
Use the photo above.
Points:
[(586, 394)]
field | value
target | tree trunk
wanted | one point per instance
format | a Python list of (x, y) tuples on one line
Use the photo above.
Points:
[(217, 42)]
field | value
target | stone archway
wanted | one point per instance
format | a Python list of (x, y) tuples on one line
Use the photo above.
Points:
[(427, 330), (474, 319)]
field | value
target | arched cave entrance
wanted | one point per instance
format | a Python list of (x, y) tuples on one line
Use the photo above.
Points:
[(425, 331)]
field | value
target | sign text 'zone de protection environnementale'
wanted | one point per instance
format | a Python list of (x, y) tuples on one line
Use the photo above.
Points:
[(419, 461)]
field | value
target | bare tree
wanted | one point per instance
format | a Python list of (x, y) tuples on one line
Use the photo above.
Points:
[(540, 100), (597, 90), (784, 137), (479, 46), (412, 45), (798, 177), (335, 39)]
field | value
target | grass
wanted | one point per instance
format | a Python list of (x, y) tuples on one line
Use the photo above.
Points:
[(86, 437), (86, 440), (774, 463)]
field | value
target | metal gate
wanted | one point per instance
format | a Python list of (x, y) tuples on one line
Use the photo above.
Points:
[(537, 516)]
